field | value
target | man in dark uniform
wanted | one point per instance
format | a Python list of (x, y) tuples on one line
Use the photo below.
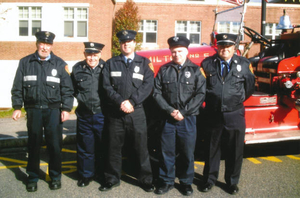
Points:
[(230, 81), (179, 90), (128, 81), (43, 84), (87, 79)]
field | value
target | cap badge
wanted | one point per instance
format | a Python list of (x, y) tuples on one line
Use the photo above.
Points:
[(54, 72), (125, 33), (47, 34), (187, 74), (92, 44), (224, 36), (176, 38), (136, 69), (239, 68)]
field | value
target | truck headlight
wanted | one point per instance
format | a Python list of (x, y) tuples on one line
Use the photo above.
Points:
[(288, 84)]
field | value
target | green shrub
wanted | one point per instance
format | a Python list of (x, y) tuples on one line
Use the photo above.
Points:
[(126, 18)]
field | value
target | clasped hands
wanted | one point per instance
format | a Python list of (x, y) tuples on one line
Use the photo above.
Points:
[(177, 115), (127, 107)]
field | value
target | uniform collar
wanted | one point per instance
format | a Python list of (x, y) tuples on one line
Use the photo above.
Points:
[(131, 57)]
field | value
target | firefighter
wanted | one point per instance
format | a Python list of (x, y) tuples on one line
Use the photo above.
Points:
[(230, 81), (128, 81), (87, 81), (179, 90), (43, 84)]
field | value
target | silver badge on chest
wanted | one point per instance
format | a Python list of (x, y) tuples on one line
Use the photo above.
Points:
[(187, 74), (136, 69), (54, 72)]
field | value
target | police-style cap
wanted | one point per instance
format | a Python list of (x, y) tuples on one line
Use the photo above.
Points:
[(45, 37), (177, 41), (91, 47), (126, 35), (226, 39)]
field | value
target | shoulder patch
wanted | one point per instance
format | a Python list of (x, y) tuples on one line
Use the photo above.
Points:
[(151, 66), (202, 72), (251, 68), (67, 69)]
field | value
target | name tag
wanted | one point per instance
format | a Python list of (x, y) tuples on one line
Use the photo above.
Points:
[(30, 78), (53, 79), (138, 76), (116, 74)]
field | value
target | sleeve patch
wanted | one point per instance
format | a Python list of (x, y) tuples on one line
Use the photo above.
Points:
[(202, 72), (67, 69), (151, 66), (251, 68)]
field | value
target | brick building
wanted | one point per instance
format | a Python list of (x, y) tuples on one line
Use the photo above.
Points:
[(77, 21)]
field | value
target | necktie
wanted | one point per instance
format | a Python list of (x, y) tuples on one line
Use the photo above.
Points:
[(224, 68), (128, 62)]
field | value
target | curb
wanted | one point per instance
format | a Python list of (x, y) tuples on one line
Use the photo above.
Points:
[(11, 142)]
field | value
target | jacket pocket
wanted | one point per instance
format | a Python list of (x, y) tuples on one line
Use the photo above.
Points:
[(211, 78), (30, 90), (187, 85), (169, 85), (237, 80), (82, 83), (53, 92)]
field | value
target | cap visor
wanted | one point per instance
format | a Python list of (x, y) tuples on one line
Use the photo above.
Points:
[(225, 43), (128, 39), (91, 51), (45, 41)]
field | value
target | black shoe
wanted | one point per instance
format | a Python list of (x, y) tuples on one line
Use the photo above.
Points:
[(55, 184), (163, 189), (31, 186), (83, 182), (147, 187), (186, 189), (206, 187), (108, 186), (233, 189)]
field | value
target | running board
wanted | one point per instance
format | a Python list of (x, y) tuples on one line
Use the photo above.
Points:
[(255, 138)]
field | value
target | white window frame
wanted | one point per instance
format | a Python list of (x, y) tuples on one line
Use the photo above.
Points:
[(29, 19), (187, 30), (230, 28), (75, 21), (274, 32), (144, 30)]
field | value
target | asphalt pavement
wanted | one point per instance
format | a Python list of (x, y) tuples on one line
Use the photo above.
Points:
[(269, 170)]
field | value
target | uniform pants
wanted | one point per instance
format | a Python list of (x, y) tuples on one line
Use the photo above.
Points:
[(226, 129), (133, 125), (89, 144), (49, 121), (178, 137)]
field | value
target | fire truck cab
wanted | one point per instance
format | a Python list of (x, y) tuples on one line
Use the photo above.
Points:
[(272, 112)]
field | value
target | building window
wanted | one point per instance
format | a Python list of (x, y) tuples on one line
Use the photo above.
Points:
[(75, 22), (271, 32), (30, 20), (148, 29), (228, 27), (189, 29)]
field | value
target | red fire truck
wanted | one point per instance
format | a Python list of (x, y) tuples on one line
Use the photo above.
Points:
[(272, 112)]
